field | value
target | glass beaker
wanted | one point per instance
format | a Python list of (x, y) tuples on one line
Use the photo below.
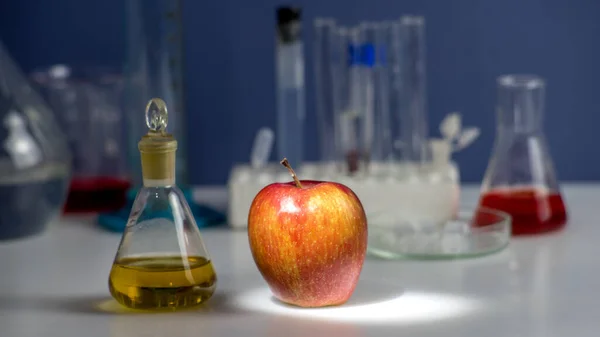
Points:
[(88, 105), (154, 68), (520, 178), (35, 160)]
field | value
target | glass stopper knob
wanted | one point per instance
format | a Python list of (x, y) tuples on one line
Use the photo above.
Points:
[(156, 115)]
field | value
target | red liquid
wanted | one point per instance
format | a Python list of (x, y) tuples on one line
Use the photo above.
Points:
[(532, 211), (98, 194)]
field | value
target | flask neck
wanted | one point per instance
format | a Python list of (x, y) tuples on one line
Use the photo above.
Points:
[(520, 105), (158, 169), (159, 182), (158, 154)]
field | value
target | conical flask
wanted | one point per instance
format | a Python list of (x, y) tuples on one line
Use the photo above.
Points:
[(520, 177), (161, 262)]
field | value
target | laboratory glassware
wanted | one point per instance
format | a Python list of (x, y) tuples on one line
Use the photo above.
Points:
[(35, 162), (470, 233), (377, 77), (375, 91), (348, 99), (325, 32), (520, 177), (161, 262), (371, 92), (88, 103), (154, 67), (347, 65), (410, 108), (290, 85)]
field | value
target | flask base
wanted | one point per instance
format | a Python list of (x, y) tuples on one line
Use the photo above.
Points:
[(162, 282), (533, 211)]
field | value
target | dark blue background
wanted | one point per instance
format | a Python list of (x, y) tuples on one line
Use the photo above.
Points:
[(230, 75)]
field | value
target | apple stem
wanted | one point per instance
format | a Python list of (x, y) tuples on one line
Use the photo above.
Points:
[(287, 165)]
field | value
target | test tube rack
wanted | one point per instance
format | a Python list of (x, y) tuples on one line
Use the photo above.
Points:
[(424, 192), (420, 193)]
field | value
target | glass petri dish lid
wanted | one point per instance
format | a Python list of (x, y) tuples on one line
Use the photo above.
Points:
[(471, 233)]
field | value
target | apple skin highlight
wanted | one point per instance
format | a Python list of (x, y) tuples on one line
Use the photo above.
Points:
[(308, 243)]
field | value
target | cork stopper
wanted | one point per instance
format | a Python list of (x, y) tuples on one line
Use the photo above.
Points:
[(157, 147)]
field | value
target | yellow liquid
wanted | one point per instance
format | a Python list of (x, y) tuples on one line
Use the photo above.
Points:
[(170, 282)]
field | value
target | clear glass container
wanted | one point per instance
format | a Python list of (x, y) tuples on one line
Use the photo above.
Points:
[(520, 178), (35, 161), (411, 91), (372, 119), (371, 94), (154, 67), (376, 140), (161, 262), (325, 63), (88, 102), (348, 100), (289, 54), (480, 232)]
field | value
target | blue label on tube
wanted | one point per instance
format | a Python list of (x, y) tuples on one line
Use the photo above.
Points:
[(365, 55), (368, 55)]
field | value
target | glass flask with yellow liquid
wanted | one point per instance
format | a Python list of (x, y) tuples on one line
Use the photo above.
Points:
[(161, 263)]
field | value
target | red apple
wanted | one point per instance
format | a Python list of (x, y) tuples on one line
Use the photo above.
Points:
[(308, 240)]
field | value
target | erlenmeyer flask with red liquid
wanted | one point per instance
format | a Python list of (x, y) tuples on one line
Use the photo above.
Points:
[(520, 177)]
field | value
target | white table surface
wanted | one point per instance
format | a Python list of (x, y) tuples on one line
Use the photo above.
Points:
[(55, 285)]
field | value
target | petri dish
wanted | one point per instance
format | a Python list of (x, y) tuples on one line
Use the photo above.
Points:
[(471, 233)]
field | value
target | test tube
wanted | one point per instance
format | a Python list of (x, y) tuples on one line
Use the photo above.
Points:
[(347, 97), (410, 88), (324, 63), (364, 90), (290, 86), (376, 130)]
